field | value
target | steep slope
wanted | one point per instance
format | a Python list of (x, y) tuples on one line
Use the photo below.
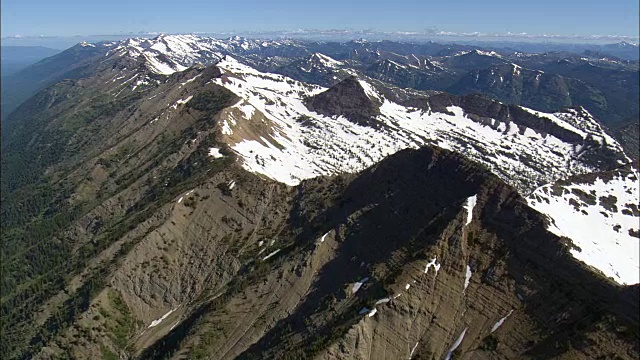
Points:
[(628, 134), (372, 279), (100, 159), (350, 99), (599, 212), (513, 84), (399, 260), (619, 85)]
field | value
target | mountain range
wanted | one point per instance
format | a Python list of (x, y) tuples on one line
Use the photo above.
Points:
[(190, 197)]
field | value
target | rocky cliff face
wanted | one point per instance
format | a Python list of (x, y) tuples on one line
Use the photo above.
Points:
[(348, 98)]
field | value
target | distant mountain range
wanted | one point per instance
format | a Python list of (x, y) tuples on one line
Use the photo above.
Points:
[(606, 86)]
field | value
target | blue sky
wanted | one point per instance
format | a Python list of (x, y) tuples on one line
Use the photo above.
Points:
[(87, 17)]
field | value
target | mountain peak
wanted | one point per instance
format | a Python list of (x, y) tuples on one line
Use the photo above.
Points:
[(324, 60), (352, 98)]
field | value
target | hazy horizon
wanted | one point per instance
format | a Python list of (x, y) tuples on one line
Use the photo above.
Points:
[(558, 18), (64, 41)]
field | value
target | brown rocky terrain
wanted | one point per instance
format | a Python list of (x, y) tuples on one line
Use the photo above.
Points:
[(207, 259)]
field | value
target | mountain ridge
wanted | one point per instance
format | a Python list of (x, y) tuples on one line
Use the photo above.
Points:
[(211, 211)]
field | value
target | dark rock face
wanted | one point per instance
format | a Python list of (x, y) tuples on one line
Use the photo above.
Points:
[(480, 106), (405, 210), (348, 99), (628, 134), (531, 88)]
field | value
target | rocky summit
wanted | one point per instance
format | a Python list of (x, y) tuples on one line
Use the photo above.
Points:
[(185, 197)]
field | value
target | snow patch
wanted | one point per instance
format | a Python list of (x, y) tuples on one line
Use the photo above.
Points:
[(500, 322), (157, 322), (181, 102), (467, 277), (190, 80), (413, 350), (358, 285), (602, 234), (382, 301), (469, 206), (270, 255), (455, 345), (433, 264), (215, 152)]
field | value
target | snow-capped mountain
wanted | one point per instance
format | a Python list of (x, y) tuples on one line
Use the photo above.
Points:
[(316, 68), (167, 54), (299, 143), (526, 148), (599, 213)]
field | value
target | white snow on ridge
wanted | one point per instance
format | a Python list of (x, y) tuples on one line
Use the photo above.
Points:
[(161, 67), (455, 344), (293, 152), (157, 322), (356, 286), (167, 54), (370, 90), (467, 277), (324, 61), (602, 226), (489, 53), (215, 152), (469, 206), (500, 322), (433, 264), (382, 301), (270, 255)]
